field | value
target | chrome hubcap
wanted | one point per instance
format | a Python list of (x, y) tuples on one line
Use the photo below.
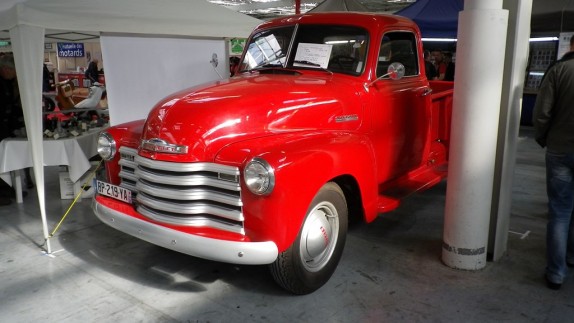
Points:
[(319, 236)]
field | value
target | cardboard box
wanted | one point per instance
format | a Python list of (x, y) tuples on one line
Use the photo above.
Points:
[(69, 189)]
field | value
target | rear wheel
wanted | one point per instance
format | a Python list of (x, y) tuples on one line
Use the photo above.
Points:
[(313, 257)]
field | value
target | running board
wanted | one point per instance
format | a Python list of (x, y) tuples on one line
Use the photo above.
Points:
[(392, 193)]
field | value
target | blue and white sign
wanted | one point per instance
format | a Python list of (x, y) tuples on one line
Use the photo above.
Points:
[(70, 50)]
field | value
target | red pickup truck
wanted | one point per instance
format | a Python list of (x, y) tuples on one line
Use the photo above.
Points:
[(328, 119)]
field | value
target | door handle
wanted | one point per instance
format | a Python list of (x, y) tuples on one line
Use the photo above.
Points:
[(426, 91)]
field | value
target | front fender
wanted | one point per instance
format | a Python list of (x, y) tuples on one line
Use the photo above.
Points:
[(126, 134), (303, 163)]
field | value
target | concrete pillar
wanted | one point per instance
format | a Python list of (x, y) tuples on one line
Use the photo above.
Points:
[(516, 61), (477, 95)]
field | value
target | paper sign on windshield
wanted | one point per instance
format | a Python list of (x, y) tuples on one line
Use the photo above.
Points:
[(314, 54)]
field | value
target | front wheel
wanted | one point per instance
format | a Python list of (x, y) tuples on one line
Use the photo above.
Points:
[(313, 257)]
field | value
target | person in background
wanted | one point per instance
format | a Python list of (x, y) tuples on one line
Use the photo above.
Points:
[(46, 86), (11, 115), (233, 63), (439, 64), (449, 72), (430, 70), (553, 120), (92, 71)]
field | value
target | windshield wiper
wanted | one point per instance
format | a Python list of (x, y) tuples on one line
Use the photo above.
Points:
[(312, 64), (270, 65), (262, 67), (307, 63)]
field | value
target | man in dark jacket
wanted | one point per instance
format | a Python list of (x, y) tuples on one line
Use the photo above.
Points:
[(92, 71), (554, 124)]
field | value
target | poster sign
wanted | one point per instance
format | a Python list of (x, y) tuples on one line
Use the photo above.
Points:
[(5, 45), (564, 44), (236, 46), (317, 54), (70, 50)]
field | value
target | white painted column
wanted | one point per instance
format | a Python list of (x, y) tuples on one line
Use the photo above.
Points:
[(481, 46), (516, 61)]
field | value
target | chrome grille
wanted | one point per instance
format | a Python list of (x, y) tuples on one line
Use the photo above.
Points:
[(188, 194)]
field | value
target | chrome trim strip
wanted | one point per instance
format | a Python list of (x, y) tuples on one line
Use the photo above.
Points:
[(128, 175), (195, 221), (127, 163), (183, 180), (186, 167), (128, 151), (244, 253), (193, 194), (189, 209), (129, 187)]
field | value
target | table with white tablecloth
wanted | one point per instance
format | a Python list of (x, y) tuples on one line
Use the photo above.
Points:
[(74, 152)]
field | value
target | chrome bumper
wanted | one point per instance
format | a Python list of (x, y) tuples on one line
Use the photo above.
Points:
[(247, 253)]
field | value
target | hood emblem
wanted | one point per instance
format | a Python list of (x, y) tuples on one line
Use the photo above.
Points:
[(162, 146), (346, 118)]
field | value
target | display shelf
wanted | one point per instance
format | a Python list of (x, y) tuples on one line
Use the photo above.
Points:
[(79, 80), (542, 54)]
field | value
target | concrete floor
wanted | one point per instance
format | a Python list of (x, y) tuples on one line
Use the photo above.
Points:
[(391, 270)]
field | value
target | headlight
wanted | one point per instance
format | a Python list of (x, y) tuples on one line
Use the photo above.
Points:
[(259, 176), (106, 146)]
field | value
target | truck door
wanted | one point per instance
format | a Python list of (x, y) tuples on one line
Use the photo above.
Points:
[(401, 109)]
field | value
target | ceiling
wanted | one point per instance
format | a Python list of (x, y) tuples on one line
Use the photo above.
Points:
[(261, 9), (54, 36), (266, 9)]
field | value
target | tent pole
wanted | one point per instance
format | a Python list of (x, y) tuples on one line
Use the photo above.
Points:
[(28, 48)]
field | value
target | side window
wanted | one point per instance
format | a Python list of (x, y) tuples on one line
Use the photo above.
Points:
[(399, 47)]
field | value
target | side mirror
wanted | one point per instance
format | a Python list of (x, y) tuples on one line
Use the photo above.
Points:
[(395, 71)]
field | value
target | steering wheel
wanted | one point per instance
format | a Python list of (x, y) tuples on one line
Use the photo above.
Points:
[(344, 62)]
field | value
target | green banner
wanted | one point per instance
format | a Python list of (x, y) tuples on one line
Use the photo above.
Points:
[(236, 46)]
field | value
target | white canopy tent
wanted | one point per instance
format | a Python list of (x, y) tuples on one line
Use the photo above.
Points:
[(29, 20)]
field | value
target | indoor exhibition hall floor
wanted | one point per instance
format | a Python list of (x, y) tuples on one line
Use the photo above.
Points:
[(391, 270)]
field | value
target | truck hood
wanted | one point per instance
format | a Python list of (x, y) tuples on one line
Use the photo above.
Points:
[(206, 118)]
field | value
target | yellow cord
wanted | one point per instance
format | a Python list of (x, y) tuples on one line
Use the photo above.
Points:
[(75, 200)]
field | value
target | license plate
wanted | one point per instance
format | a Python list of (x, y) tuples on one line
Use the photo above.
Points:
[(114, 191)]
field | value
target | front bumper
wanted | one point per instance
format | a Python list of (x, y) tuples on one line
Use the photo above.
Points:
[(246, 253)]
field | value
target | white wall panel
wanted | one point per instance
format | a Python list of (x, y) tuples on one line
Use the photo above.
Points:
[(140, 71)]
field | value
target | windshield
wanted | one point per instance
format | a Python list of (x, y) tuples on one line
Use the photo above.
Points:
[(339, 49)]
